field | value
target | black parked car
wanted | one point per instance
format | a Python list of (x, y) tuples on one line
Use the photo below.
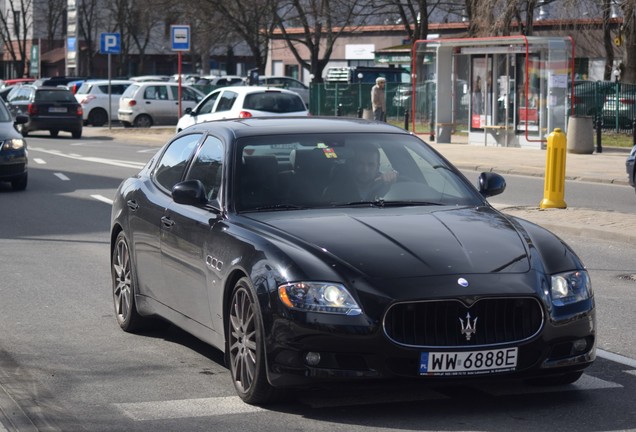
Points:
[(13, 150), (48, 108), (313, 249)]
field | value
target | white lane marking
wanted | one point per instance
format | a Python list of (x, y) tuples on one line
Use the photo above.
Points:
[(39, 161), (61, 176), (102, 199), (204, 407), (114, 162), (586, 382), (631, 372), (151, 150), (617, 358), (75, 155)]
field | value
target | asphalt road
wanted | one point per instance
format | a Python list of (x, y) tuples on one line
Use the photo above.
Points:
[(66, 366)]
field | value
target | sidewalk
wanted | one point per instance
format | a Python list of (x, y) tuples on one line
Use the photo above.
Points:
[(606, 167)]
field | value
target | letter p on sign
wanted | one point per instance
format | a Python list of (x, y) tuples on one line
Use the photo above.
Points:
[(110, 43)]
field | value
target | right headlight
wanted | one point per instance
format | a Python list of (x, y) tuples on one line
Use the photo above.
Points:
[(570, 287), (13, 144), (325, 297)]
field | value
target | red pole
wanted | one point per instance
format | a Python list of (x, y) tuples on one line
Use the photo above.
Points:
[(179, 81)]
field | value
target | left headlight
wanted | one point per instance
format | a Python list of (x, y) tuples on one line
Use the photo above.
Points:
[(13, 144), (570, 287), (318, 297)]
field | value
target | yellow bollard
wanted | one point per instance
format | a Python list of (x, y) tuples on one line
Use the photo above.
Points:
[(554, 185)]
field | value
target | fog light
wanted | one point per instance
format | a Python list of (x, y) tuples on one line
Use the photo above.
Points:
[(579, 345), (312, 358)]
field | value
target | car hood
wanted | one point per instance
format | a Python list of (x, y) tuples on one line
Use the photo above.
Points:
[(412, 243)]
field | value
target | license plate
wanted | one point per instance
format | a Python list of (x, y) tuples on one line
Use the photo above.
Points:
[(57, 109), (468, 362)]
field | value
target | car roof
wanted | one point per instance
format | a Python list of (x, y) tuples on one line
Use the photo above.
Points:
[(255, 126), (256, 89)]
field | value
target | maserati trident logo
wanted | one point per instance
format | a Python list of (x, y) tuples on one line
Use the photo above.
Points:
[(469, 328)]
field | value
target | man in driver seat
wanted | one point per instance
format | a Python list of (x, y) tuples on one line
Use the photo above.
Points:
[(362, 179)]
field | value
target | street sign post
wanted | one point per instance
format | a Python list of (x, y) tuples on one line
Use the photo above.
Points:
[(110, 43), (180, 37)]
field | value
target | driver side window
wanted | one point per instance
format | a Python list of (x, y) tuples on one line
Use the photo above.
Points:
[(171, 166), (208, 167), (206, 108)]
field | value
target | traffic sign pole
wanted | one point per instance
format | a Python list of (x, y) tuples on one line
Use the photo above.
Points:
[(179, 86), (110, 106)]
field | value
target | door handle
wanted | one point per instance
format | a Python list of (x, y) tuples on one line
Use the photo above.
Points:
[(167, 222), (132, 204), (148, 102)]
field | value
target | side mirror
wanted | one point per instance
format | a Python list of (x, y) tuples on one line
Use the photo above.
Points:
[(491, 184), (188, 110), (189, 192), (21, 119)]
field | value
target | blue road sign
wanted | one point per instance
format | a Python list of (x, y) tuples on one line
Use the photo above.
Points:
[(180, 36), (110, 43)]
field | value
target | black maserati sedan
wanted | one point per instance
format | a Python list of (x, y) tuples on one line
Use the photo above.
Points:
[(312, 250)]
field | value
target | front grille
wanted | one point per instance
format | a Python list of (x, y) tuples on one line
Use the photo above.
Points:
[(437, 323)]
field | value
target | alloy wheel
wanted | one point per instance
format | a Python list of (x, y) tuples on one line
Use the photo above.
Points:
[(122, 292), (242, 340)]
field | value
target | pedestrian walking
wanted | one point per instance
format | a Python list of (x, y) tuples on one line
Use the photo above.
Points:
[(378, 99)]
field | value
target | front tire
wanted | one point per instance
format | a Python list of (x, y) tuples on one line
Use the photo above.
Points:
[(54, 132), (125, 287), (246, 348)]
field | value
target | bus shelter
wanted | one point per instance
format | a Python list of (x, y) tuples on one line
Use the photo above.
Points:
[(509, 91)]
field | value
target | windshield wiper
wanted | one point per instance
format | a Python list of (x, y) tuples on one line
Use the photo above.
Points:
[(278, 207), (383, 203)]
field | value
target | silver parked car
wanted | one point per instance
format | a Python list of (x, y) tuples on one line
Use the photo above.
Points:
[(155, 103)]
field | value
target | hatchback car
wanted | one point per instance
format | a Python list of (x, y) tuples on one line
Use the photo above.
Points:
[(244, 102), (286, 83), (13, 150), (93, 96), (318, 249), (47, 108), (144, 104)]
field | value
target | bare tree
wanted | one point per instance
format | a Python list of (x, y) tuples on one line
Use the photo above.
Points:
[(254, 24), (629, 45), (15, 29), (54, 11), (89, 17), (321, 23)]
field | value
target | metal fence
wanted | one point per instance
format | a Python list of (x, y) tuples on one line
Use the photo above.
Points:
[(611, 103)]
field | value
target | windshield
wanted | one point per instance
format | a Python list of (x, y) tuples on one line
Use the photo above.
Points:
[(344, 170)]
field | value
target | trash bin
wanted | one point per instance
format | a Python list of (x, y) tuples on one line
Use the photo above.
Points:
[(580, 136)]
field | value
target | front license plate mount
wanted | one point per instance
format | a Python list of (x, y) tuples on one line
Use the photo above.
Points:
[(468, 362)]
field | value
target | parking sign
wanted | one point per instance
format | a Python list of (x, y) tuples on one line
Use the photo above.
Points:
[(110, 43), (180, 37)]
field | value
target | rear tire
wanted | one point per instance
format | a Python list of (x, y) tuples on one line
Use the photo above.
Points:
[(54, 132), (143, 121), (246, 349), (98, 117), (77, 134)]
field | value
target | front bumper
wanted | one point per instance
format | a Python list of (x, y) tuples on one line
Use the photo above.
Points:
[(358, 349)]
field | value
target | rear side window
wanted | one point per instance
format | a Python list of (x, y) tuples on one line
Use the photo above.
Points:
[(130, 91), (84, 89), (54, 96), (274, 102), (116, 89), (226, 101)]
